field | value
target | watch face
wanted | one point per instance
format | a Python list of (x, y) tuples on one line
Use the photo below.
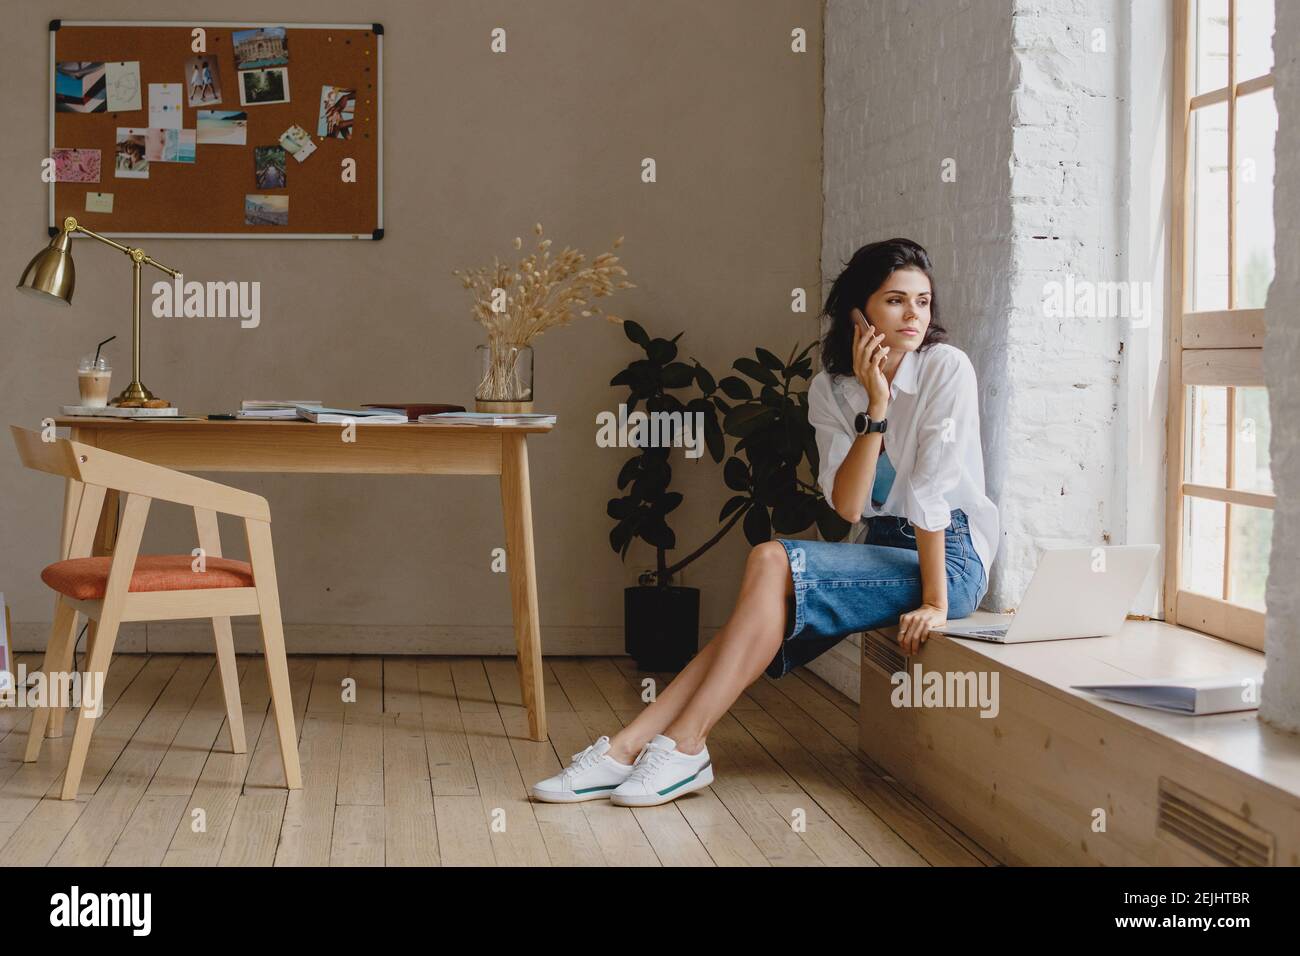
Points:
[(860, 422)]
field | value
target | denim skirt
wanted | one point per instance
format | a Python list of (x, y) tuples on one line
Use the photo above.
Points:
[(841, 588)]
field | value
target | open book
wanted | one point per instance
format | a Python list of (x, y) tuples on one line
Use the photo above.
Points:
[(1194, 695)]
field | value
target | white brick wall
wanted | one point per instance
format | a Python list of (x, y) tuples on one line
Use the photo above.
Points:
[(1281, 695), (1036, 124), (1010, 90)]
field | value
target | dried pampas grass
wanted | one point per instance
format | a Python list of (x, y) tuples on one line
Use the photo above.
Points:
[(541, 291)]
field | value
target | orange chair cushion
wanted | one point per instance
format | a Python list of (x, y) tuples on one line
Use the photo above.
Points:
[(86, 579)]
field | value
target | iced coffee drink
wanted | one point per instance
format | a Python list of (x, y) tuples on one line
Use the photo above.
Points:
[(93, 376)]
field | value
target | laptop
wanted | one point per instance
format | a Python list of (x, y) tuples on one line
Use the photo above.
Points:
[(1075, 592)]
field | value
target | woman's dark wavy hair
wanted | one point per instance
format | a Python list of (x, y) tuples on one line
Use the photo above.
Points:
[(865, 273)]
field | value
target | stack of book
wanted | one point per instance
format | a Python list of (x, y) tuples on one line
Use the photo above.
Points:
[(346, 416), (271, 410)]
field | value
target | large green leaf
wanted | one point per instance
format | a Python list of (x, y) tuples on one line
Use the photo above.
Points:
[(636, 333), (704, 379), (744, 419), (661, 351), (735, 475), (831, 525), (655, 531), (734, 502), (755, 371), (769, 360), (736, 388), (757, 526), (678, 375)]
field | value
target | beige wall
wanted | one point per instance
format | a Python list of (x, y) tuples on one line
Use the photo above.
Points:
[(478, 147)]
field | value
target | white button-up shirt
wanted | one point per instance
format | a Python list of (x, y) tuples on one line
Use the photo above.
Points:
[(933, 442)]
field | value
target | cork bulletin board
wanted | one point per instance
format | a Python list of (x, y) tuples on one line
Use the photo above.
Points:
[(202, 144)]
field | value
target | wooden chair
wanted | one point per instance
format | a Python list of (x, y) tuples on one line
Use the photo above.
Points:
[(131, 587)]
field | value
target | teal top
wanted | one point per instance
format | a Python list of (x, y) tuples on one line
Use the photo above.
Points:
[(884, 480)]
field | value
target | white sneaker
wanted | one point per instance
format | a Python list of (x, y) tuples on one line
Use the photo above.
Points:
[(593, 775), (663, 773)]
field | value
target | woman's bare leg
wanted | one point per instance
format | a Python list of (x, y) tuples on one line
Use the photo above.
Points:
[(745, 645), (746, 654)]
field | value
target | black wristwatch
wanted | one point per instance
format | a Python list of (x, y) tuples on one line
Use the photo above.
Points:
[(865, 425)]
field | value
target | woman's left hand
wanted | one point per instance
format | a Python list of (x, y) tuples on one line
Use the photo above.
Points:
[(915, 626)]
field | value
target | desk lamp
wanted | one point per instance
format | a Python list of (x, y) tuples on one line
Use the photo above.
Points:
[(50, 277)]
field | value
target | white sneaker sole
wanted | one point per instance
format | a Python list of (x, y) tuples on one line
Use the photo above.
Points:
[(571, 796), (702, 779)]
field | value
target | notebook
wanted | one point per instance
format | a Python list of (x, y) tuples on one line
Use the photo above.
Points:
[(1194, 696)]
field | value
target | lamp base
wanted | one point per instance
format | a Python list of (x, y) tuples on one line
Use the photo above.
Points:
[(136, 395)]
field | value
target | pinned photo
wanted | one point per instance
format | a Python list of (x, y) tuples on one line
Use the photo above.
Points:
[(123, 86), (268, 167), (258, 49), (169, 145), (164, 106), (132, 160), (202, 81), (297, 142), (266, 210), (224, 127), (337, 106), (76, 165), (80, 87), (257, 87)]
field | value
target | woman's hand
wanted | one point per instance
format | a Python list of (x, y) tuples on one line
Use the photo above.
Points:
[(915, 626), (869, 364)]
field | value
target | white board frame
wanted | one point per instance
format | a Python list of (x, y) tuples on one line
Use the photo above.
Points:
[(374, 27)]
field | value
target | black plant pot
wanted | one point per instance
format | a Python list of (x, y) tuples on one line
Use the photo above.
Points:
[(661, 626)]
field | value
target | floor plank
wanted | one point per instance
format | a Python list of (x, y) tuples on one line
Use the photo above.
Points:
[(419, 761)]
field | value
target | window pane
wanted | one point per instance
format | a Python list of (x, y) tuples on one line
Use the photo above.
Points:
[(1211, 26), (1256, 129), (1209, 259), (1254, 38), (1251, 468), (1207, 437), (1203, 533), (1252, 536)]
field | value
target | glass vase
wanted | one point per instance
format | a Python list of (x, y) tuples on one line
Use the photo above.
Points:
[(505, 377)]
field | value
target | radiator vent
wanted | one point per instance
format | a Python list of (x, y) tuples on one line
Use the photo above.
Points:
[(882, 654), (1207, 829)]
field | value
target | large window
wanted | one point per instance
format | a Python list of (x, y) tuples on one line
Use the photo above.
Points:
[(1220, 520)]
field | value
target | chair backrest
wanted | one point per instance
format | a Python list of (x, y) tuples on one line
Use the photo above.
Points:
[(106, 469)]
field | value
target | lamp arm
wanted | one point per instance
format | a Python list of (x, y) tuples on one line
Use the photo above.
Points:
[(70, 225)]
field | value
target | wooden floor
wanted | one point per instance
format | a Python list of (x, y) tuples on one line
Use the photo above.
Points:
[(430, 766)]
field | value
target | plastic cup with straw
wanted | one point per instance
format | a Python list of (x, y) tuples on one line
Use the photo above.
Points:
[(93, 377)]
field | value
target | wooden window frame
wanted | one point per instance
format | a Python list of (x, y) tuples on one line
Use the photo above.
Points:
[(1222, 347)]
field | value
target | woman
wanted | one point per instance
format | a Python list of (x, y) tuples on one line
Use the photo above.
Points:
[(896, 414)]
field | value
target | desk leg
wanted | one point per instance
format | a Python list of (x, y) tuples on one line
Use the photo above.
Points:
[(517, 507)]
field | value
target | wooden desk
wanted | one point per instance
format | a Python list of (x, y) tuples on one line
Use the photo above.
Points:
[(297, 446)]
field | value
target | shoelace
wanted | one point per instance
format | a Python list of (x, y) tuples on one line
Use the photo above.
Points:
[(652, 760), (581, 761)]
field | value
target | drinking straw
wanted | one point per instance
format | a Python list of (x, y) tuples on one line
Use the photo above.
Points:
[(101, 345)]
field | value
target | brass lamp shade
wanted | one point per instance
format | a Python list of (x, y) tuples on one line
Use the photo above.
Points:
[(50, 275)]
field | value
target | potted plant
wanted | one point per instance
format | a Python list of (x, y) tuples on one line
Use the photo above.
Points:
[(772, 438), (515, 304)]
